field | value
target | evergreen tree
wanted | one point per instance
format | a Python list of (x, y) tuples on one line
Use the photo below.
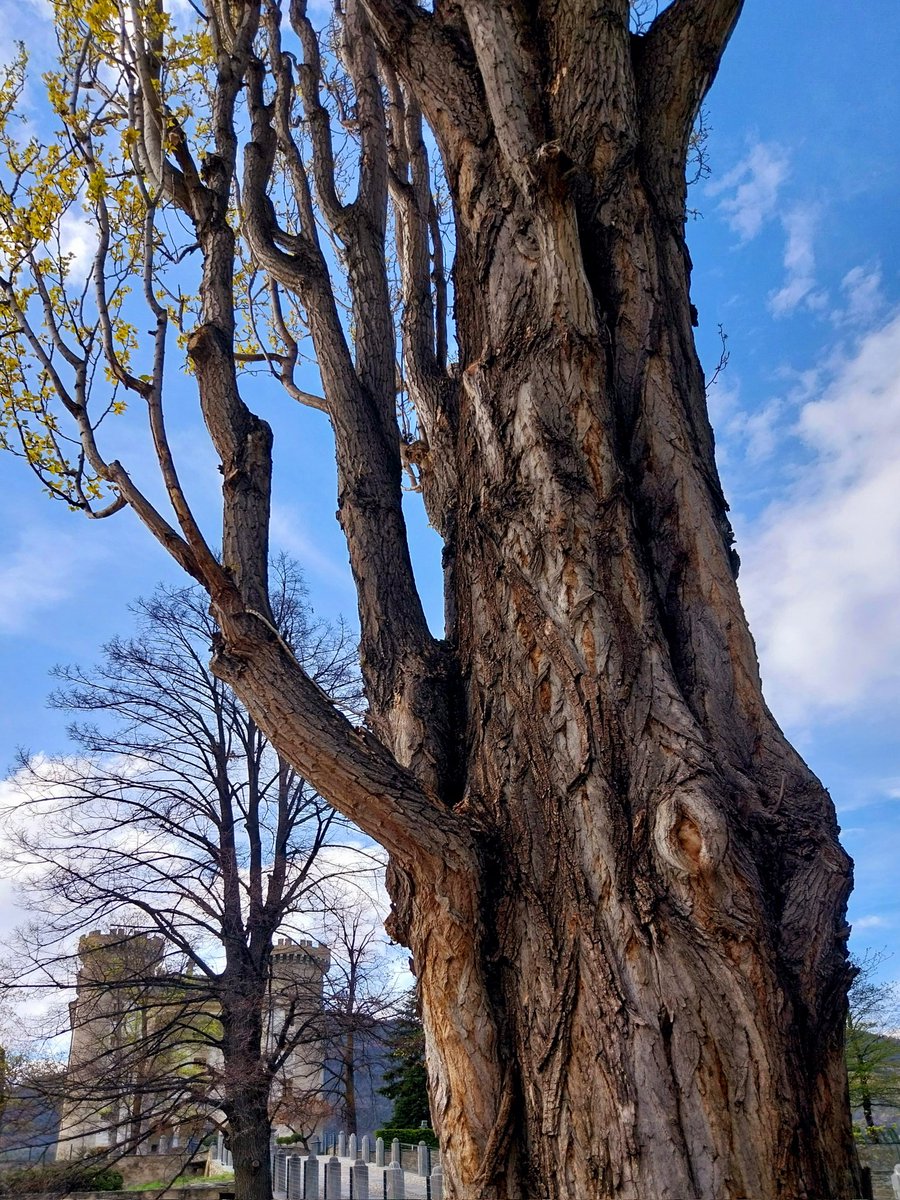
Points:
[(406, 1081)]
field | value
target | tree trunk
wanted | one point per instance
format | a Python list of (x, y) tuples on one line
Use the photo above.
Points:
[(250, 1134), (658, 908), (622, 888), (246, 1079), (348, 1080)]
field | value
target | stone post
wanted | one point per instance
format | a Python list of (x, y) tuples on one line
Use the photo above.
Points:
[(379, 1152), (396, 1184), (280, 1170), (333, 1178), (311, 1176), (342, 1145), (396, 1152), (437, 1182), (295, 1177), (365, 1148), (359, 1180), (351, 1146), (422, 1164)]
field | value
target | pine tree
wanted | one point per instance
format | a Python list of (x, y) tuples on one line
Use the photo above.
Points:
[(406, 1081)]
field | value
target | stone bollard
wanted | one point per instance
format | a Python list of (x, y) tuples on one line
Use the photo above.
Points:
[(379, 1152), (895, 1181), (437, 1182), (395, 1183), (422, 1164), (351, 1146), (311, 1176), (295, 1177), (280, 1171), (396, 1152), (359, 1180), (342, 1145), (333, 1178), (365, 1148)]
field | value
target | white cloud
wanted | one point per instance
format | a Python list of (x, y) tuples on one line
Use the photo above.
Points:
[(799, 264), (864, 298), (78, 237), (750, 190), (821, 575), (289, 534), (743, 434), (41, 570), (873, 922)]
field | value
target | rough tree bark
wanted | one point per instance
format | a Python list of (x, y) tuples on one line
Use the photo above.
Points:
[(622, 888), (633, 966)]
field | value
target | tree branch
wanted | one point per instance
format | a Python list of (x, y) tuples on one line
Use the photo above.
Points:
[(676, 62), (347, 765), (435, 56)]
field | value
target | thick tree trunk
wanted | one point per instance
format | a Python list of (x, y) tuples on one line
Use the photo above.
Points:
[(661, 897), (622, 888), (250, 1132), (250, 1137), (246, 1081)]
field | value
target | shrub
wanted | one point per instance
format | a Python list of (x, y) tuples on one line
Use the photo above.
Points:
[(411, 1137), (106, 1180), (58, 1179)]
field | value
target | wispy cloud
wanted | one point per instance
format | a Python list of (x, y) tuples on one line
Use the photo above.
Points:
[(744, 435), (41, 570), (822, 566), (290, 534), (799, 264), (871, 922), (750, 190), (863, 297)]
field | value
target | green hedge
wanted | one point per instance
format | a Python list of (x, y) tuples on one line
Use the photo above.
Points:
[(58, 1179), (411, 1137)]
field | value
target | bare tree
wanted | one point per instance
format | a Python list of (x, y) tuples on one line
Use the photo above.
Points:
[(361, 996), (622, 888), (873, 1044), (178, 825)]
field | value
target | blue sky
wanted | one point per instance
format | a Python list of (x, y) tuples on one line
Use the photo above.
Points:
[(796, 255)]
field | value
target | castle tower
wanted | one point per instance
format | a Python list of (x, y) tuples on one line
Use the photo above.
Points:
[(113, 989), (297, 980)]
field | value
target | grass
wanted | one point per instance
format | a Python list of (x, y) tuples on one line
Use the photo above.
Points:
[(181, 1181)]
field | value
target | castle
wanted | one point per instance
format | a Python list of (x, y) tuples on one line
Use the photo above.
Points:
[(143, 1066)]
